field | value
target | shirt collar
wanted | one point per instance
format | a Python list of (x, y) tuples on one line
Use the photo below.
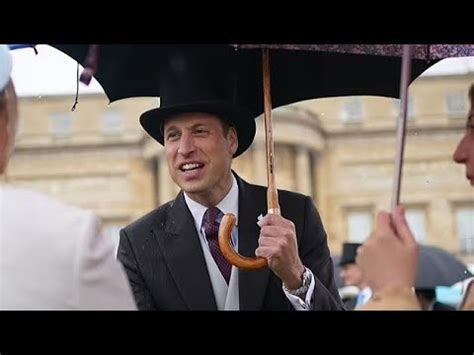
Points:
[(229, 204)]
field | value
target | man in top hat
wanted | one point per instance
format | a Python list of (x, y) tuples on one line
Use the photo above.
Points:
[(52, 256), (352, 275), (171, 255)]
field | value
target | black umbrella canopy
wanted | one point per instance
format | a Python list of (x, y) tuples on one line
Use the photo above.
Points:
[(133, 70), (437, 267), (123, 70)]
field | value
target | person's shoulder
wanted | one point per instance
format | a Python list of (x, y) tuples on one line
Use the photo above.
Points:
[(292, 195), (155, 217), (39, 204), (290, 201), (39, 221), (284, 194)]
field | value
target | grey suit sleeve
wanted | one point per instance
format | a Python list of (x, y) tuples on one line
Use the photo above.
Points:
[(126, 256), (314, 252), (100, 281)]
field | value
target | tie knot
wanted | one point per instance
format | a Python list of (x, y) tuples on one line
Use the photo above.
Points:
[(210, 221), (211, 214)]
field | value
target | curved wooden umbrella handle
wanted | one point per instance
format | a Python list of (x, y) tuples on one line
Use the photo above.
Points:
[(242, 262)]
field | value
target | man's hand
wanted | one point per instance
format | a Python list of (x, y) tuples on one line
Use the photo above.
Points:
[(278, 244), (389, 257)]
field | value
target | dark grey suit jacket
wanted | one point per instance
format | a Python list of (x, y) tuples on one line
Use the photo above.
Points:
[(165, 263)]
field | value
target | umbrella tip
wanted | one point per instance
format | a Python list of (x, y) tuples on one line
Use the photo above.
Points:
[(86, 76), (90, 64)]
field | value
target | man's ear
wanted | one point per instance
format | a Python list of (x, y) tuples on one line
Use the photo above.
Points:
[(233, 139)]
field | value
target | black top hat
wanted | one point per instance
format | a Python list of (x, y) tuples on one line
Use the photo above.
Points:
[(199, 79), (349, 253)]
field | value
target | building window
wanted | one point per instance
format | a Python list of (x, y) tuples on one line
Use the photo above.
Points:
[(465, 228), (61, 124), (416, 221), (359, 225), (456, 104), (112, 122), (352, 110), (410, 107)]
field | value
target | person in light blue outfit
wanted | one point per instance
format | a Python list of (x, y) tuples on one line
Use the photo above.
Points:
[(52, 256)]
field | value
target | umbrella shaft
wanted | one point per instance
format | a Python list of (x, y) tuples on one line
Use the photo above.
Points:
[(272, 193), (401, 126)]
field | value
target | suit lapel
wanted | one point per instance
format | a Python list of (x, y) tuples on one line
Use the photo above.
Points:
[(182, 251), (252, 284)]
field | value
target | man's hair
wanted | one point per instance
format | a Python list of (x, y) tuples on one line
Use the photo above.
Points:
[(226, 124), (471, 92)]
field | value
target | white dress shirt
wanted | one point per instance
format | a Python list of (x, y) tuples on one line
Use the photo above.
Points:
[(227, 295)]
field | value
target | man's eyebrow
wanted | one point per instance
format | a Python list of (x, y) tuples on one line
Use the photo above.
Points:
[(169, 128), (199, 124), (194, 126)]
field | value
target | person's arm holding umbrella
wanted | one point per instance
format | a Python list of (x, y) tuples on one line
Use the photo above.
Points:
[(389, 263), (390, 254)]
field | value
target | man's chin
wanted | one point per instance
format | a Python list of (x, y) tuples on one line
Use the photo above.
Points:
[(192, 188)]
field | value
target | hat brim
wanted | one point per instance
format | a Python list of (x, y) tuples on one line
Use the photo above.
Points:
[(153, 120)]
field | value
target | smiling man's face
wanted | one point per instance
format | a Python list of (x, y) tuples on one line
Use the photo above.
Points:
[(199, 150)]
